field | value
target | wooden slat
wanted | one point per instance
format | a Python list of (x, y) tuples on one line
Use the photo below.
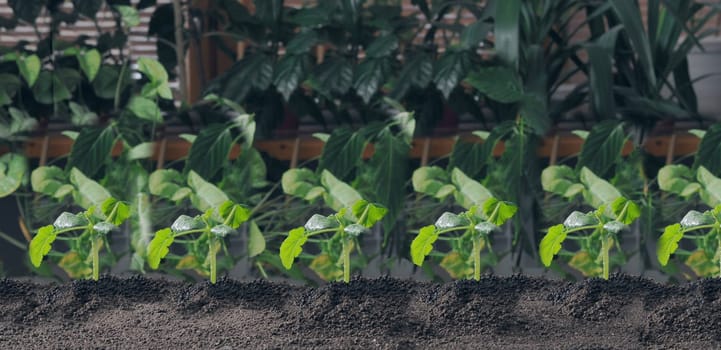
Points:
[(309, 147)]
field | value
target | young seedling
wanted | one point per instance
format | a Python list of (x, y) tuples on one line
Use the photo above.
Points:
[(208, 230), (93, 227), (475, 226), (706, 227), (342, 228), (604, 224)]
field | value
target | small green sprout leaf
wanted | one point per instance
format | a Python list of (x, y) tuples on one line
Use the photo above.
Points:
[(485, 228), (498, 212), (159, 247), (186, 223), (368, 213), (68, 220), (423, 244), (41, 244), (668, 242), (694, 219), (450, 220), (578, 219), (551, 243), (222, 230), (256, 241), (115, 211), (239, 213), (319, 222), (626, 211), (292, 246), (355, 230)]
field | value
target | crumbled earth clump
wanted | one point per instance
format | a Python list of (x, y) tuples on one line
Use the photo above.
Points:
[(515, 312)]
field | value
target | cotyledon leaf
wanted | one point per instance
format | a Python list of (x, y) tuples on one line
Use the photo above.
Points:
[(423, 244), (551, 243), (292, 246), (668, 242), (41, 244), (159, 247)]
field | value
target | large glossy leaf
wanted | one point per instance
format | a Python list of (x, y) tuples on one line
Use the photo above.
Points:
[(289, 73), (603, 147), (169, 184), (152, 69), (209, 152), (469, 192), (41, 244), (416, 72), (709, 151), (334, 75), (695, 218), (601, 79), (106, 81), (598, 191), (450, 70), (561, 180), (551, 243), (145, 109), (292, 246), (254, 71), (29, 67), (498, 83), (89, 62), (433, 181), (338, 194), (159, 247), (422, 245), (56, 86), (342, 153), (91, 150), (87, 192), (14, 170), (507, 31), (302, 183), (205, 194), (668, 242), (382, 46), (369, 76), (389, 174)]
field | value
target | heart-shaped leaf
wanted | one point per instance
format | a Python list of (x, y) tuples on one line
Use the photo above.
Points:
[(423, 244), (668, 242), (41, 244), (159, 247), (292, 246), (551, 243)]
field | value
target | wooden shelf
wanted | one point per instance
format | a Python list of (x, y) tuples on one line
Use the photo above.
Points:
[(309, 147)]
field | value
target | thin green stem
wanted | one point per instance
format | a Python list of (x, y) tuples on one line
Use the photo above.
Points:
[(604, 250), (95, 251), (326, 230), (261, 269), (346, 260), (477, 258), (213, 262)]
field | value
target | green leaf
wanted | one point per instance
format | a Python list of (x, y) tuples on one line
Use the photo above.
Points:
[(500, 84), (26, 10), (694, 219), (289, 73), (302, 183), (678, 179), (502, 210), (368, 213), (474, 33), (338, 194), (152, 69), (433, 181), (343, 152), (709, 150), (292, 246), (41, 244), (143, 150), (222, 230), (450, 70), (598, 191), (388, 175), (91, 150), (254, 71), (382, 46), (159, 247), (449, 220), (29, 67), (168, 183), (186, 223), (601, 75), (485, 228), (614, 226), (301, 43), (602, 149), (69, 220), (51, 181), (128, 14), (561, 180), (578, 219), (507, 31), (88, 192), (256, 241), (107, 80), (205, 195), (355, 230), (668, 242), (104, 227), (89, 62), (416, 72), (238, 213), (56, 86), (370, 76), (629, 14), (625, 210), (14, 169), (209, 153), (422, 245), (469, 192), (319, 222), (334, 75), (551, 243), (711, 193), (115, 211), (145, 109)]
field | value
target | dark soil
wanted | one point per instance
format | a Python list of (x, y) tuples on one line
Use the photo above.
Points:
[(497, 312)]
